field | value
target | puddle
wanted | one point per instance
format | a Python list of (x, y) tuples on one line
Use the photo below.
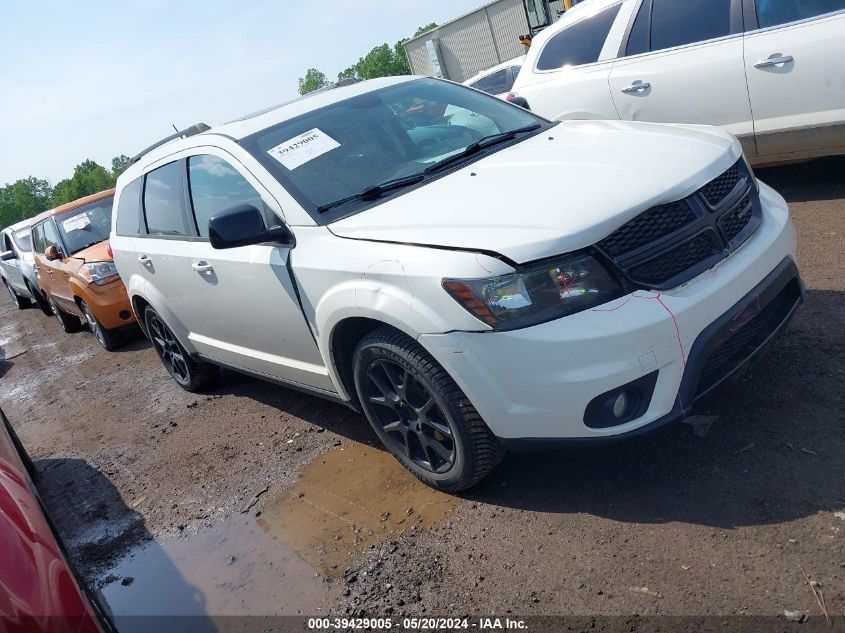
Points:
[(347, 500), (234, 569)]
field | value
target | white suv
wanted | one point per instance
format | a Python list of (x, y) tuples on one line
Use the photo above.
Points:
[(360, 246), (767, 70)]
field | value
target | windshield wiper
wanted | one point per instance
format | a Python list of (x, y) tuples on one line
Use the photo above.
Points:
[(376, 191), (477, 146)]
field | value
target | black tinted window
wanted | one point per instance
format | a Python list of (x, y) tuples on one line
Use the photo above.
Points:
[(129, 210), (578, 44), (7, 243), (675, 23), (638, 38), (495, 83), (163, 201), (216, 185), (774, 12)]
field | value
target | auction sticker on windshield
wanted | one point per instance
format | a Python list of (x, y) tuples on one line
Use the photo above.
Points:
[(301, 149), (76, 223)]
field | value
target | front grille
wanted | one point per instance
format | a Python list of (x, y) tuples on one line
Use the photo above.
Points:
[(675, 261), (648, 227), (670, 244), (747, 337), (716, 190), (737, 218)]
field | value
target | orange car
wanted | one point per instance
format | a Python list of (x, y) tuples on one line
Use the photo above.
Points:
[(76, 271)]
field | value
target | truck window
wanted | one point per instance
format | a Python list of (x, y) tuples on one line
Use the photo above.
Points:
[(578, 44), (676, 23)]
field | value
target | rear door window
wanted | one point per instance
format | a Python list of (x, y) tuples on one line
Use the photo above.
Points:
[(675, 23), (578, 44), (129, 220), (163, 198), (775, 12), (215, 185), (495, 83)]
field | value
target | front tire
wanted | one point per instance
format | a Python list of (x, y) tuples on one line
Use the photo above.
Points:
[(21, 303), (420, 414), (68, 322), (109, 339), (192, 375)]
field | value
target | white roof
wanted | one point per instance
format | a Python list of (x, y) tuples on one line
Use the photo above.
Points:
[(516, 61), (19, 225)]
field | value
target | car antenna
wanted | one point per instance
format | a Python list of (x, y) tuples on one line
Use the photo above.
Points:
[(175, 129)]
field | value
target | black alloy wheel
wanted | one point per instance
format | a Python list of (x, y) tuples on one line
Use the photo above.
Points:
[(189, 373), (410, 417)]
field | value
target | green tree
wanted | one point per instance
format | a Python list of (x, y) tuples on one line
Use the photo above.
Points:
[(313, 80), (23, 199), (425, 29), (88, 177), (119, 165)]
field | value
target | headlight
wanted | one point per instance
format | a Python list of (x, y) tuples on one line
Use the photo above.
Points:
[(539, 292), (99, 273)]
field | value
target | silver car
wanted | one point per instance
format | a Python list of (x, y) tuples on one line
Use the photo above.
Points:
[(17, 267)]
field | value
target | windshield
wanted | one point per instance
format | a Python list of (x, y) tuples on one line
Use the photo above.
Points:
[(87, 225), (334, 153), (23, 239)]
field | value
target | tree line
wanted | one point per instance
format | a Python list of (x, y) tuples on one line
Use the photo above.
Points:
[(30, 196), (382, 61)]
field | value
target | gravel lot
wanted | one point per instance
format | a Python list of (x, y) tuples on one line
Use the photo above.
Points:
[(263, 500)]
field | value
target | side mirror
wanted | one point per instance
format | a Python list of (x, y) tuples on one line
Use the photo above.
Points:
[(243, 225), (52, 253), (521, 102), (7, 255)]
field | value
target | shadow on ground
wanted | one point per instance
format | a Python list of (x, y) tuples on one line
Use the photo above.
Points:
[(819, 179), (98, 528)]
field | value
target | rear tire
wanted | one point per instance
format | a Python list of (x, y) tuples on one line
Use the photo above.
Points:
[(68, 322), (109, 339), (192, 375), (420, 414), (21, 303)]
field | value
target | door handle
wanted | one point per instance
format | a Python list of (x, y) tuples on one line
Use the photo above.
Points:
[(636, 87), (144, 259), (774, 60), (202, 267)]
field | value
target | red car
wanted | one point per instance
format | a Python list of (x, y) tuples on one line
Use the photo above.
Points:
[(39, 592)]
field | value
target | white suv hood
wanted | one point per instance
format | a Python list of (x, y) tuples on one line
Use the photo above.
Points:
[(559, 191)]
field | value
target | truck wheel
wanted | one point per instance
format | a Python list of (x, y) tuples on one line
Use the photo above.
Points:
[(420, 414), (68, 322), (109, 339), (21, 303), (191, 375)]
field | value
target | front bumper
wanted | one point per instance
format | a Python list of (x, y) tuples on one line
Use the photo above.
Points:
[(109, 303), (532, 386)]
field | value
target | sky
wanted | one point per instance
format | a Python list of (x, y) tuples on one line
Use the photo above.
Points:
[(95, 79)]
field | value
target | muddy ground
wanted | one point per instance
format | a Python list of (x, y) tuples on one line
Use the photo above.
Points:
[(257, 499)]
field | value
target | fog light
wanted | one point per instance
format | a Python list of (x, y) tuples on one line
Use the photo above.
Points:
[(620, 405)]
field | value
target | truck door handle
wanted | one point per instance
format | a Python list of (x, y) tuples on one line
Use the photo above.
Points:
[(202, 267), (144, 259), (774, 60), (636, 87)]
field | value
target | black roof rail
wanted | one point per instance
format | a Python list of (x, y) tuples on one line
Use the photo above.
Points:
[(197, 128)]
